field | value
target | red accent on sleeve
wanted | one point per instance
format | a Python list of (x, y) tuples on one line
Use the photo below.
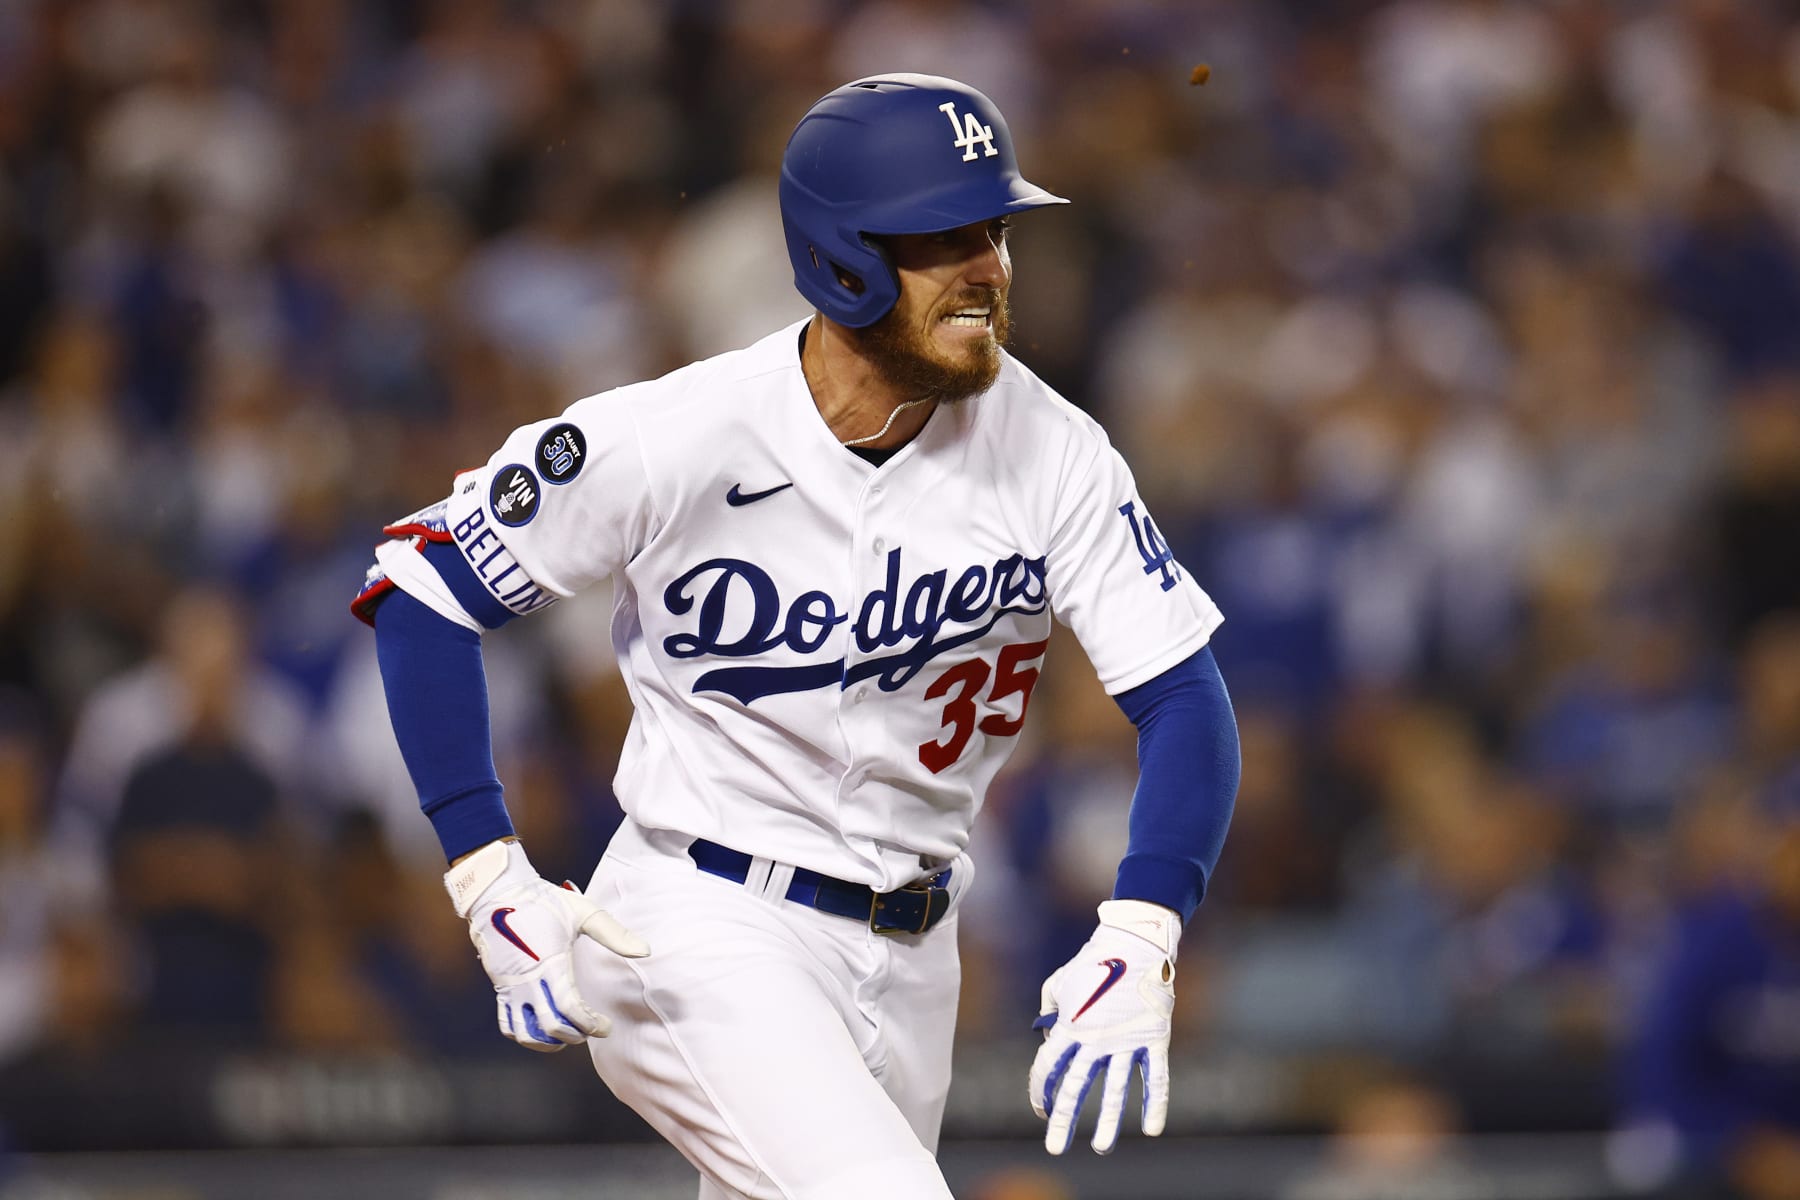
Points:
[(367, 600), (413, 529)]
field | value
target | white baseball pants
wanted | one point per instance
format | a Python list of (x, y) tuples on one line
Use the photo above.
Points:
[(789, 1054)]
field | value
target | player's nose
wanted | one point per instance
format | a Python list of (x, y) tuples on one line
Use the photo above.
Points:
[(988, 265)]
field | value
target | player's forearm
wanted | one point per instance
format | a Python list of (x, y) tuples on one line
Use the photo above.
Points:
[(1188, 768), (437, 700)]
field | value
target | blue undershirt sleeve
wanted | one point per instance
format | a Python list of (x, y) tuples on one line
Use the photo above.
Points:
[(459, 577), (437, 699), (1188, 769)]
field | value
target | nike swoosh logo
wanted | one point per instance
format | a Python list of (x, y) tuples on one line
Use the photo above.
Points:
[(507, 933), (1115, 971), (738, 499)]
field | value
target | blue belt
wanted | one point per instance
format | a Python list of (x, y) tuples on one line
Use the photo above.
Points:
[(911, 909)]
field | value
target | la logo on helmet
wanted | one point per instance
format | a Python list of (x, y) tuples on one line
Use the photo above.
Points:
[(968, 132)]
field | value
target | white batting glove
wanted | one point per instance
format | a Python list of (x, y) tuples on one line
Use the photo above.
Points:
[(1106, 1013), (524, 928)]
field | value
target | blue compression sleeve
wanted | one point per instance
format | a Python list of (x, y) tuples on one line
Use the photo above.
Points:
[(437, 700), (1188, 770), (459, 577)]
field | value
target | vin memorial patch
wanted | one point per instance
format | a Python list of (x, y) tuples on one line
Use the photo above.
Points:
[(514, 495)]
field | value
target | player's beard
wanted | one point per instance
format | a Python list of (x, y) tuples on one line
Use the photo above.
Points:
[(904, 352)]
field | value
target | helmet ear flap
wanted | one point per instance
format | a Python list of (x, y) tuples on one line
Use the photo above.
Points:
[(887, 278), (877, 287), (850, 280)]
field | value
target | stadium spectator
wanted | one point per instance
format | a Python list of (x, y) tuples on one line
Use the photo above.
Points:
[(1715, 1064)]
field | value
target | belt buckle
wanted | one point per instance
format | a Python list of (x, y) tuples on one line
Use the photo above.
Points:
[(937, 900)]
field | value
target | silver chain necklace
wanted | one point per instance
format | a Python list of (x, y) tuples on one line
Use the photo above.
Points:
[(882, 432)]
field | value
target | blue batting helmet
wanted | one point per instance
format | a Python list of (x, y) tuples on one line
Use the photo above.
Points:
[(890, 154)]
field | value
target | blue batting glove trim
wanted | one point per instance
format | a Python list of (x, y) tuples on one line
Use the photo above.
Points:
[(534, 1030), (1044, 1021), (510, 1027), (1056, 1077), (1094, 1072), (1140, 1063), (544, 986)]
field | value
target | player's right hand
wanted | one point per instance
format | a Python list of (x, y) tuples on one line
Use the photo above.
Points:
[(524, 928)]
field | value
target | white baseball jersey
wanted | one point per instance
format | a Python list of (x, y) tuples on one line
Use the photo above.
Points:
[(829, 661)]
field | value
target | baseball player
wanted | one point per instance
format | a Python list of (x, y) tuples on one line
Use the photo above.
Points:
[(837, 553)]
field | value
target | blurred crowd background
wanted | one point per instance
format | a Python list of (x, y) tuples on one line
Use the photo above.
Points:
[(1455, 343)]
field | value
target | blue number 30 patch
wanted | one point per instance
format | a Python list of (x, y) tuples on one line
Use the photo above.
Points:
[(1150, 545)]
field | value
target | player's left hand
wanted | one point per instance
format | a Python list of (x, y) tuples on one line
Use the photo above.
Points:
[(524, 928), (1106, 1013)]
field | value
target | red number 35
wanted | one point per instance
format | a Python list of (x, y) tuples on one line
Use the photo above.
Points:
[(963, 683)]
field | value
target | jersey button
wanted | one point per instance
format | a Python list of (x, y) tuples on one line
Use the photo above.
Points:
[(880, 545)]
